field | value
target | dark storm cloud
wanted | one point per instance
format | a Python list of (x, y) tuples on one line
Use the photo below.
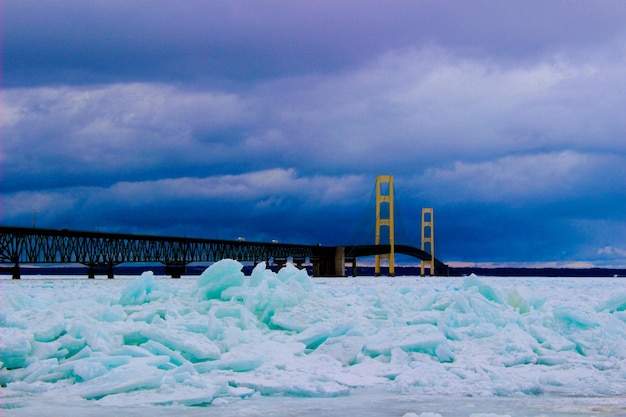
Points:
[(272, 119), (77, 42)]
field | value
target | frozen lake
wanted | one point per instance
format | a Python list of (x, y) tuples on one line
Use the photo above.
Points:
[(284, 344)]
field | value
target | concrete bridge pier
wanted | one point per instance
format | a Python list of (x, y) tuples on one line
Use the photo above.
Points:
[(91, 272), (299, 262), (175, 270), (353, 262), (340, 261), (280, 262), (329, 262)]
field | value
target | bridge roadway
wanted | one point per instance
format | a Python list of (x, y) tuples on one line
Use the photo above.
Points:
[(103, 251)]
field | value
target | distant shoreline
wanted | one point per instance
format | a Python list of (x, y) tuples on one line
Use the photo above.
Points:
[(362, 271), (505, 272), (541, 272)]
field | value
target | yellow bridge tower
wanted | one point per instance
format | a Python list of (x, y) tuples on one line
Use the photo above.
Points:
[(428, 238), (384, 218)]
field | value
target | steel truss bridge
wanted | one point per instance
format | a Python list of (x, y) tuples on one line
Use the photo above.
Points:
[(103, 251)]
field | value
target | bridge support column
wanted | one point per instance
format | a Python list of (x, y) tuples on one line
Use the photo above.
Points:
[(353, 262), (329, 262), (385, 218), (299, 262), (319, 267), (428, 239), (93, 269), (340, 261), (280, 262), (175, 270)]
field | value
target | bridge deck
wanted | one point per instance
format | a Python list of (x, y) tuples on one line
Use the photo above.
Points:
[(105, 250)]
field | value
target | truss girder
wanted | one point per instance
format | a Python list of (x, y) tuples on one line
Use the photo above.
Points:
[(26, 245)]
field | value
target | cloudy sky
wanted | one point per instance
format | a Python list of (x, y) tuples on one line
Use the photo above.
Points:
[(272, 119)]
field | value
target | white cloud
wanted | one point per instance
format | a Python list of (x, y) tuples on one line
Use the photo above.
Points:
[(612, 251), (120, 128), (430, 106), (409, 109), (246, 187), (263, 189), (519, 179), (42, 205)]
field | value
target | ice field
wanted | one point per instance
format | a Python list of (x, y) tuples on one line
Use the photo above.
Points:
[(279, 344)]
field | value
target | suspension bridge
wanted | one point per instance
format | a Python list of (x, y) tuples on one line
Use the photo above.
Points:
[(102, 252)]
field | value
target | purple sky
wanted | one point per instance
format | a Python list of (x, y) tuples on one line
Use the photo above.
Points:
[(271, 120)]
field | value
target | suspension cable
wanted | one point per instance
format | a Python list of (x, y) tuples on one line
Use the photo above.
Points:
[(400, 217), (362, 223)]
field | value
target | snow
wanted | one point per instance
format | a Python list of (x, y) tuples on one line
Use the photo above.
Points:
[(234, 343)]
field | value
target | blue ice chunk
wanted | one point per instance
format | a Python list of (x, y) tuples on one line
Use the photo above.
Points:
[(111, 362), (303, 385), (189, 391), (461, 303), (316, 334), (280, 298), (149, 314), (89, 369), (233, 293), (4, 319), (70, 367), (424, 317), (443, 352), (225, 311), (131, 351), (519, 359), (126, 378), (486, 290), (550, 339), (194, 347), (259, 274), (291, 274), (235, 364), (72, 344), (50, 326), (344, 349), (215, 328), (218, 277), (286, 272), (159, 349), (423, 338), (286, 321), (15, 347), (264, 301), (142, 289), (574, 317), (35, 388), (518, 302), (550, 360), (86, 367), (85, 352), (613, 304), (42, 370), (114, 313), (483, 330), (24, 301), (47, 350)]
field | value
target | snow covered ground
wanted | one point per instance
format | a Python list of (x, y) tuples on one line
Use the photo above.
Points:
[(285, 344)]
